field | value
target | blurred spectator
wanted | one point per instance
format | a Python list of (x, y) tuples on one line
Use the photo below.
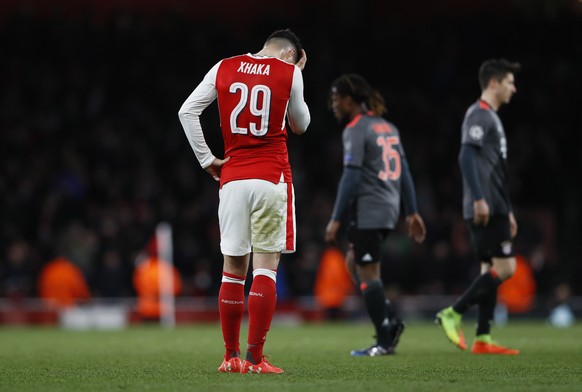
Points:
[(146, 280), (111, 277), (202, 280), (561, 315), (333, 283), (17, 274), (61, 284), (517, 293)]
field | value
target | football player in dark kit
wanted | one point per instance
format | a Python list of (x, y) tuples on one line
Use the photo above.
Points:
[(486, 206), (374, 177)]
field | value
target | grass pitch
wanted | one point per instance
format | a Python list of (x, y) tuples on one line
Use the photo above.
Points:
[(315, 358)]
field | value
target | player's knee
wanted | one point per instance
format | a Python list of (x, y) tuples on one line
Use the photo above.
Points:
[(505, 269), (504, 275)]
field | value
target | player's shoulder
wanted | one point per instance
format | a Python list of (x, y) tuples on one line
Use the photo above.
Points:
[(391, 125), (378, 124), (249, 57), (478, 112), (258, 65), (236, 57), (232, 59)]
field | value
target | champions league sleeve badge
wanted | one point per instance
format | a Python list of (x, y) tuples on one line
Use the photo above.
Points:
[(476, 132)]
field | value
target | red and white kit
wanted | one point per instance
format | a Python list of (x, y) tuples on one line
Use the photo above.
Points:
[(256, 97)]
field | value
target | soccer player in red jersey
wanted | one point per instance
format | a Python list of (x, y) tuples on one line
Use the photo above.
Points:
[(257, 95), (486, 206)]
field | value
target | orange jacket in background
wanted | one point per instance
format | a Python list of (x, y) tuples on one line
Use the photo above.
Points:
[(61, 283), (518, 292), (146, 281), (333, 282)]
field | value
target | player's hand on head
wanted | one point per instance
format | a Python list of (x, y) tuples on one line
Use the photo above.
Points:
[(481, 212), (216, 167), (303, 60), (416, 227)]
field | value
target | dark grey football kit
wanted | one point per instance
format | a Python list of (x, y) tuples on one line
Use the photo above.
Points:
[(482, 160), (375, 175)]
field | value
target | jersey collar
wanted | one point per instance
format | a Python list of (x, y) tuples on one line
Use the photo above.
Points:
[(484, 105), (354, 121), (357, 118)]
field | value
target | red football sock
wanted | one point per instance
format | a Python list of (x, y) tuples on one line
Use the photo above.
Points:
[(231, 306), (262, 302)]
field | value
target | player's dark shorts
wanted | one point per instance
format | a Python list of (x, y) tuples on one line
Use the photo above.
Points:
[(367, 244), (493, 240)]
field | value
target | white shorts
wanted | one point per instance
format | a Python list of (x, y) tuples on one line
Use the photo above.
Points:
[(258, 216)]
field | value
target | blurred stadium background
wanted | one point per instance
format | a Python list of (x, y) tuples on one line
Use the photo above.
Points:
[(93, 157)]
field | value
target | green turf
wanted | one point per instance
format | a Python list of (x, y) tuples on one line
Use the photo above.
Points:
[(315, 358)]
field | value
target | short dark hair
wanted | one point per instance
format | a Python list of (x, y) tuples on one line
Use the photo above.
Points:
[(290, 37), (496, 68), (356, 87)]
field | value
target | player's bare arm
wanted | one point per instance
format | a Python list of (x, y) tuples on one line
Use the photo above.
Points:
[(331, 232), (416, 227), (481, 212), (512, 224)]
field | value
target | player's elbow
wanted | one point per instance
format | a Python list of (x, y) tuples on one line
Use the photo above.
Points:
[(183, 112), (298, 131), (299, 127), (188, 110)]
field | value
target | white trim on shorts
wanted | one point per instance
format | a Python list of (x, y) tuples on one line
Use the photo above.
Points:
[(256, 215)]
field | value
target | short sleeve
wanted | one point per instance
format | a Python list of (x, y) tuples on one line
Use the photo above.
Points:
[(354, 146), (475, 127)]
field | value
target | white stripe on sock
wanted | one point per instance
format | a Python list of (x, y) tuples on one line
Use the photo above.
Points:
[(266, 272), (227, 279)]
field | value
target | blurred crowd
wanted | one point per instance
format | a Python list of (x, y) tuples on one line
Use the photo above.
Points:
[(92, 155)]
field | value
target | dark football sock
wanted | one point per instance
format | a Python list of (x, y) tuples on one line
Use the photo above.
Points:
[(390, 311), (375, 300), (486, 309), (480, 287)]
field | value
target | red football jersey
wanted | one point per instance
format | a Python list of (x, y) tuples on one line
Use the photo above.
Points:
[(253, 94)]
